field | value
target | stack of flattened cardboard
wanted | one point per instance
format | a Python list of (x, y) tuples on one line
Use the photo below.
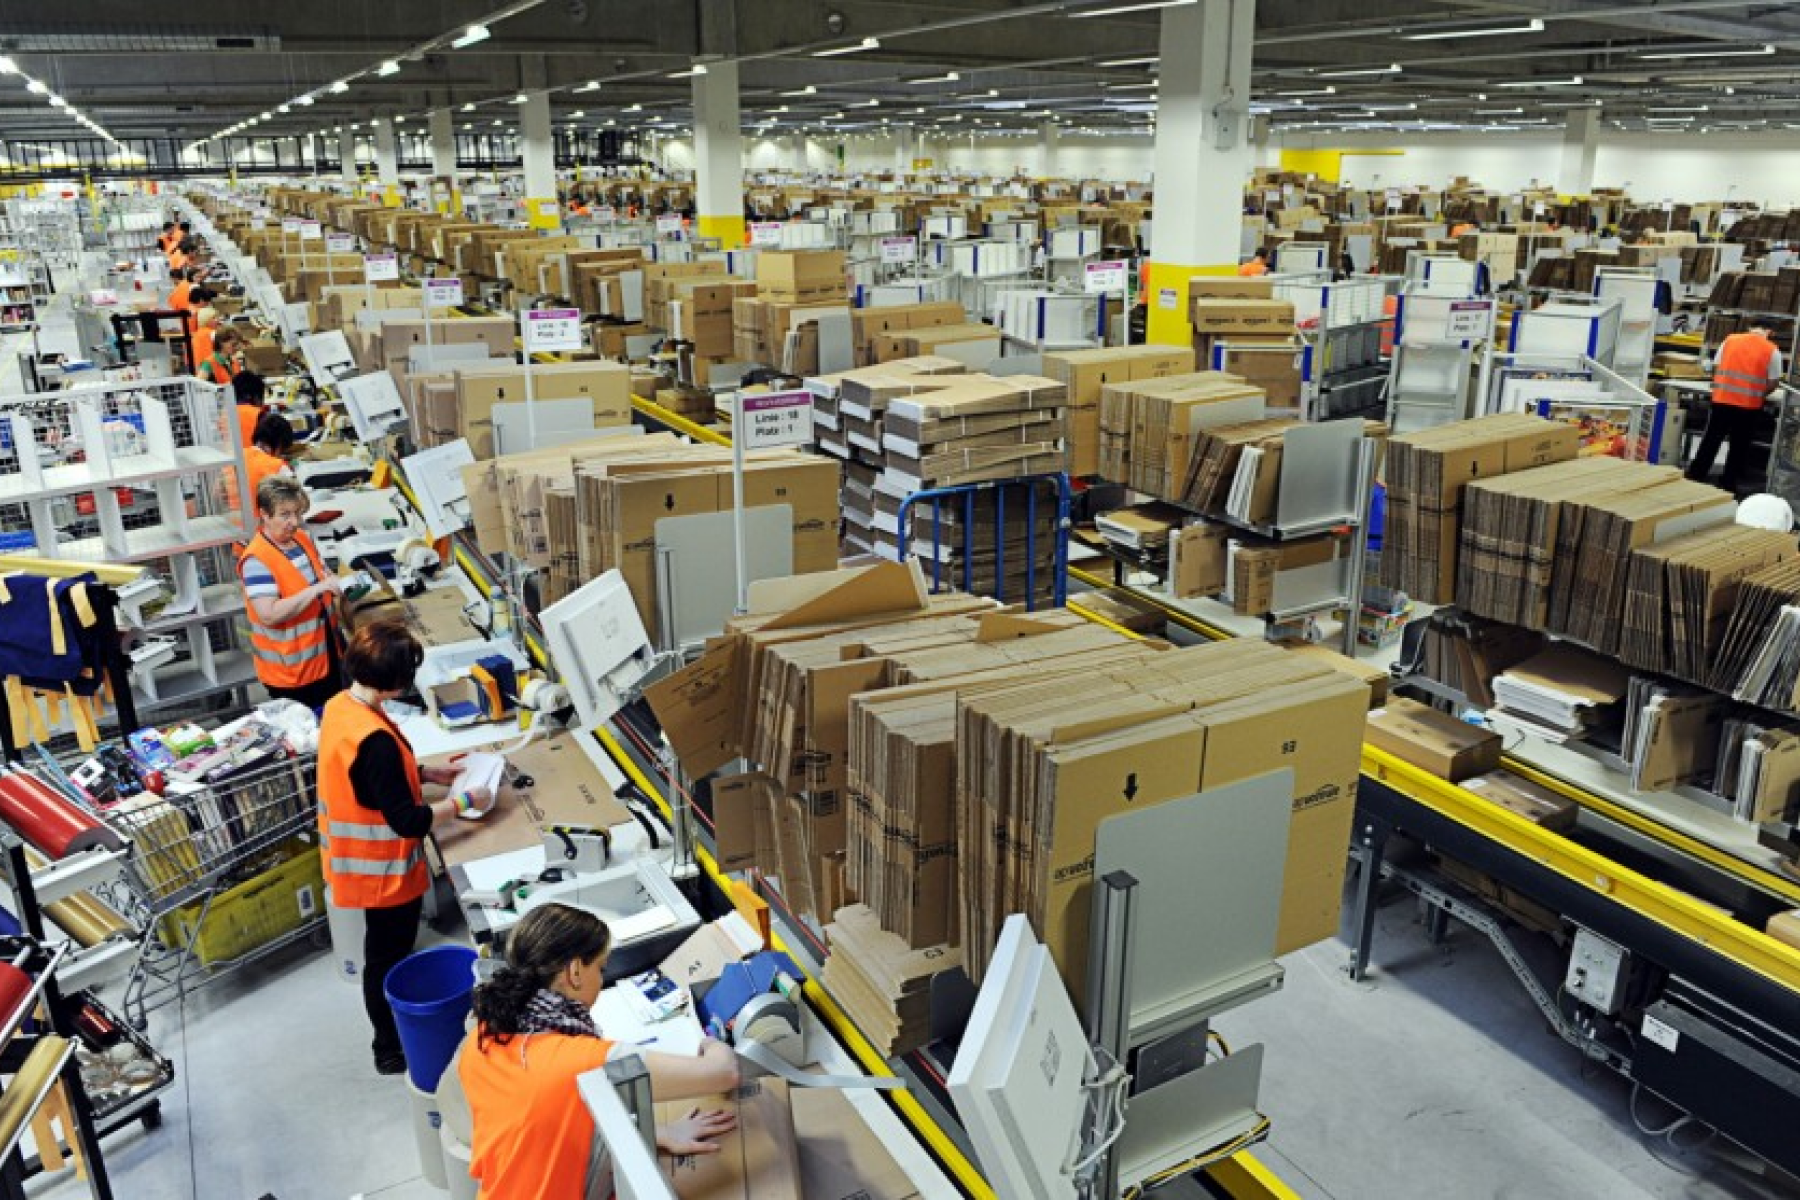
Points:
[(1426, 474), (1594, 541), (1148, 427), (1087, 373), (1041, 764), (884, 984), (1680, 595), (1464, 653), (618, 506), (1213, 467), (1758, 770), (1752, 636), (1508, 557)]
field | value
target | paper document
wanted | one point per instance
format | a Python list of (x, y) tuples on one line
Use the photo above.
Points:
[(480, 771)]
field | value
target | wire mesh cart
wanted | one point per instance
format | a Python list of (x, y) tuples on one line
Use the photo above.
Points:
[(221, 874)]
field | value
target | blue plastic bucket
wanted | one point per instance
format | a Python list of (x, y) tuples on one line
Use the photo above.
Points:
[(430, 993)]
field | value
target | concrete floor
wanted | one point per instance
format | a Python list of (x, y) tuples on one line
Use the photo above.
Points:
[(1433, 1078)]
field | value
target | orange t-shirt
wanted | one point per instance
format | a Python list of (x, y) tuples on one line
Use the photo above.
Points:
[(534, 1138), (202, 344), (248, 415), (259, 464), (1252, 269)]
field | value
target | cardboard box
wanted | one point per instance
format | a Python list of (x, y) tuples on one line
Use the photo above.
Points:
[(1431, 740), (1785, 928), (841, 1158), (478, 389), (800, 272), (1234, 315), (1520, 796), (757, 1161)]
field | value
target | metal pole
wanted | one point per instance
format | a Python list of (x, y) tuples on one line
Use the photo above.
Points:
[(738, 436)]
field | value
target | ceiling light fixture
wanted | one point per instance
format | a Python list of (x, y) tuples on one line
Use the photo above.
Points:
[(469, 36), (1535, 25), (1698, 108), (304, 101), (519, 99), (390, 67), (946, 77), (1571, 81), (1390, 69), (592, 85), (1759, 52), (808, 90), (1327, 90), (1147, 60), (1143, 6), (340, 87), (37, 87), (867, 43), (469, 107)]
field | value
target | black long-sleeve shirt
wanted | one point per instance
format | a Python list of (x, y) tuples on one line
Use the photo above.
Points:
[(379, 777)]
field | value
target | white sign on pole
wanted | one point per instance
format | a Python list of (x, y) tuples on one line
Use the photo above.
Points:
[(1168, 299), (668, 223), (765, 233), (775, 419), (311, 231), (1468, 321), (552, 329), (1537, 208), (290, 224), (443, 293), (899, 249), (380, 267), (1104, 277), (340, 243), (1393, 200)]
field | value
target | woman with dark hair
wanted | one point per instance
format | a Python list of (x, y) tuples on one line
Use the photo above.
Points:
[(534, 1035), (373, 816)]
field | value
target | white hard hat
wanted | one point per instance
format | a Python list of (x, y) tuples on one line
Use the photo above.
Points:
[(1764, 511)]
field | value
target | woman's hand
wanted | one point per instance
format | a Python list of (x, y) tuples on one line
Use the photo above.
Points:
[(697, 1133), (442, 776)]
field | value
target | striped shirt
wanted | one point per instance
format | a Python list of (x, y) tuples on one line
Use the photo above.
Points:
[(259, 584)]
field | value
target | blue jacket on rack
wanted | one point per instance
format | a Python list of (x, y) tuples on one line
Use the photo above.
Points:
[(49, 634)]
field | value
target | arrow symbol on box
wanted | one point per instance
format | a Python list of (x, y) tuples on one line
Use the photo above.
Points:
[(1131, 787), (669, 502)]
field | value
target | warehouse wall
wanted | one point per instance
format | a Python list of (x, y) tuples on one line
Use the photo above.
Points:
[(1755, 166)]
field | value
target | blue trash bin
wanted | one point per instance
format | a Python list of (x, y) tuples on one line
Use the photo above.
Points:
[(430, 993)]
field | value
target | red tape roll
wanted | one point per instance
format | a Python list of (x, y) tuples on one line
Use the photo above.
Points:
[(14, 986), (48, 820)]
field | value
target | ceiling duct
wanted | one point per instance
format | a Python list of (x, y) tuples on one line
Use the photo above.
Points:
[(143, 40)]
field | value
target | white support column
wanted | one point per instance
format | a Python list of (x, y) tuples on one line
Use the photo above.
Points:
[(443, 142), (1202, 155), (1049, 139), (347, 153), (387, 156), (718, 155), (906, 141), (539, 152), (1580, 149)]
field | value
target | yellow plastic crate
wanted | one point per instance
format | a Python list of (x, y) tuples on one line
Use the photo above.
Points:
[(255, 912)]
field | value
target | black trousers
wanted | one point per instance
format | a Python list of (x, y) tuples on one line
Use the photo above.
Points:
[(1726, 422), (388, 938)]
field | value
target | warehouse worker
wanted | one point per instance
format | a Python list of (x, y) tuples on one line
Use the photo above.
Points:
[(222, 364), (287, 590), (1745, 372), (165, 241), (1465, 227), (1258, 265), (206, 333), (534, 1034), (267, 453), (373, 816), (252, 392), (177, 299)]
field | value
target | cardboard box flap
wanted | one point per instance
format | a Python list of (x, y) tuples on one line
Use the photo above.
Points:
[(882, 588)]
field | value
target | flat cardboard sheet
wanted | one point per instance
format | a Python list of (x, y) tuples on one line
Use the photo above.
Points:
[(567, 789)]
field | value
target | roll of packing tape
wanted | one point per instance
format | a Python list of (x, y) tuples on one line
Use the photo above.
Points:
[(48, 820), (544, 695)]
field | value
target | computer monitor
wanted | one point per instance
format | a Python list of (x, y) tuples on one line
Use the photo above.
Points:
[(1018, 1080), (598, 643), (374, 404)]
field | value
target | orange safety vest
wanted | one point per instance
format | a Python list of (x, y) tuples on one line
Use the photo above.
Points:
[(259, 464), (179, 296), (248, 415), (534, 1138), (367, 864), (214, 370), (296, 652), (1252, 269), (1741, 372)]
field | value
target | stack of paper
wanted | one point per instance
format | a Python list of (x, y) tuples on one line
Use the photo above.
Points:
[(1759, 771), (1562, 692), (1143, 528)]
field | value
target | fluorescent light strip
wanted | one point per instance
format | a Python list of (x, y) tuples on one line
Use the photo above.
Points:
[(1571, 81), (1145, 6), (1392, 69), (1535, 25), (1762, 51), (469, 36), (1147, 60), (867, 43)]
